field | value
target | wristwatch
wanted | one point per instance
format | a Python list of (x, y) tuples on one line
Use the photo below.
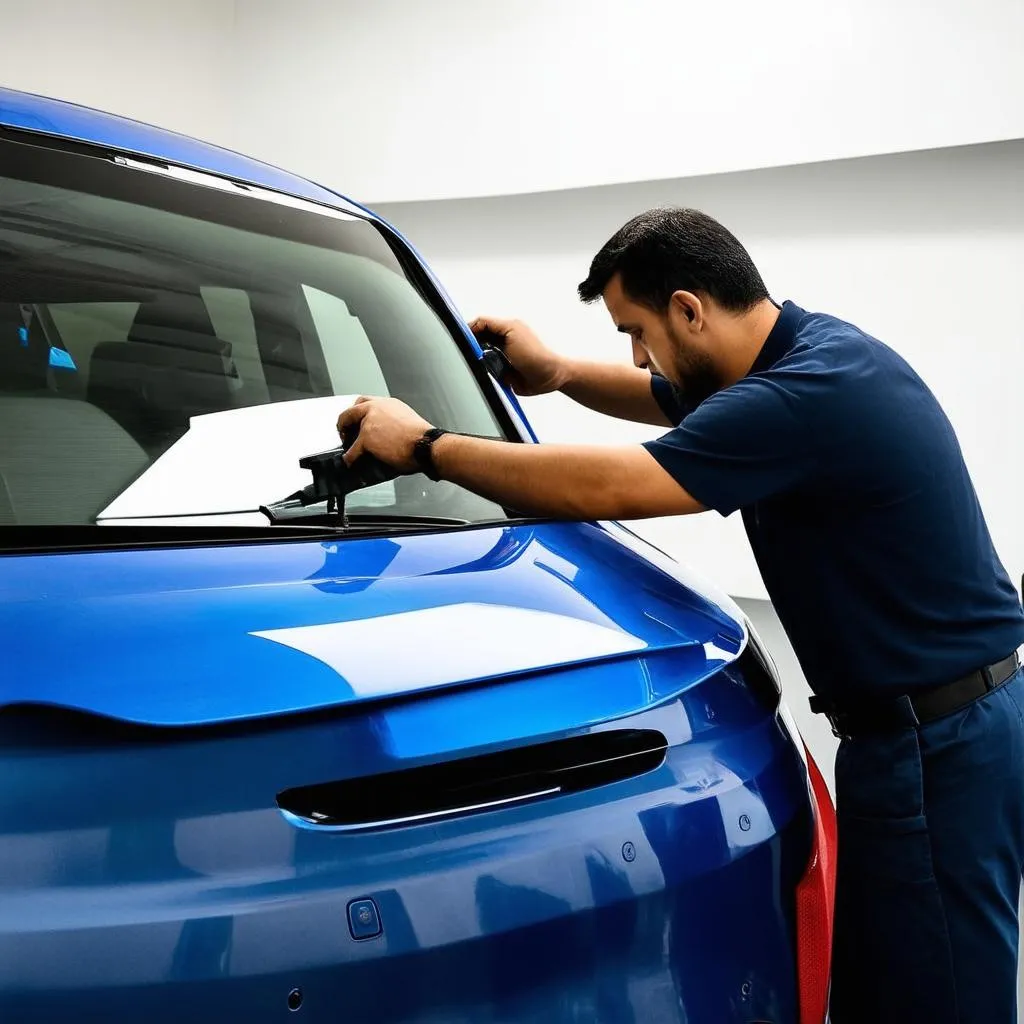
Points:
[(423, 454)]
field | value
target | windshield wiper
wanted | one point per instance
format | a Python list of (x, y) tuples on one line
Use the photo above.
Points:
[(333, 481), (292, 512)]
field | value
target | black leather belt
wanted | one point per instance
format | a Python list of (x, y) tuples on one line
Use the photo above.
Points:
[(916, 709)]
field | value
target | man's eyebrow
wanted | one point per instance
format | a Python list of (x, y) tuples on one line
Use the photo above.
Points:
[(627, 328)]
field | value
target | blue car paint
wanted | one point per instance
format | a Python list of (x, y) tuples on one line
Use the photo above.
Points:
[(191, 617), (147, 873), (81, 124), (145, 893)]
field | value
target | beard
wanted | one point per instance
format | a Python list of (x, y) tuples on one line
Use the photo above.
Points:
[(694, 376)]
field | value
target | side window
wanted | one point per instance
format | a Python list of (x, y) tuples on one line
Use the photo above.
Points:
[(351, 363), (81, 326), (231, 316)]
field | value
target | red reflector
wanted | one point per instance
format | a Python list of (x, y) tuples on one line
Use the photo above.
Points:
[(815, 906)]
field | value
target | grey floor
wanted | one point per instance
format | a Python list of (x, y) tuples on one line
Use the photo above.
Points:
[(817, 735)]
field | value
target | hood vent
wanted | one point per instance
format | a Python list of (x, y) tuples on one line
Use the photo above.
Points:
[(471, 785)]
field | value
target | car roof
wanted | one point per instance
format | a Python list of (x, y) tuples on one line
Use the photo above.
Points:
[(40, 114)]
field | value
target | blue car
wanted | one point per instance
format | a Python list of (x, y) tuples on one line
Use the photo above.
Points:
[(401, 755)]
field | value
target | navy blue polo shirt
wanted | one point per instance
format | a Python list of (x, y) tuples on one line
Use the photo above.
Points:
[(859, 508)]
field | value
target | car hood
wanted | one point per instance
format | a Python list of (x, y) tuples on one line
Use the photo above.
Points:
[(195, 636)]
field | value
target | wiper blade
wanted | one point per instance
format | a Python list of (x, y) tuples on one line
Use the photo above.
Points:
[(323, 501), (372, 520), (333, 481), (291, 511)]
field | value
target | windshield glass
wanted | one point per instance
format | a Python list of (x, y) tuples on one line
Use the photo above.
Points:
[(169, 350)]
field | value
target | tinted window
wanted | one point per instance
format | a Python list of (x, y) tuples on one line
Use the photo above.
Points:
[(171, 349)]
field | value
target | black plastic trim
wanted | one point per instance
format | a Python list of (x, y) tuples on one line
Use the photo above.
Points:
[(78, 538), (472, 785)]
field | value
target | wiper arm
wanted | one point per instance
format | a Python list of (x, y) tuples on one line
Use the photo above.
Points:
[(333, 481)]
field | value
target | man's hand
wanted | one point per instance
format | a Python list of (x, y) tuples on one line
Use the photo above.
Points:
[(536, 369), (615, 389), (388, 429)]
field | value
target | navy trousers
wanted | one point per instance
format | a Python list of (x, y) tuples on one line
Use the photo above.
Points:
[(931, 850)]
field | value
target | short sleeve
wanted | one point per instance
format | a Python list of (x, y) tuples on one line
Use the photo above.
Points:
[(668, 399), (746, 443)]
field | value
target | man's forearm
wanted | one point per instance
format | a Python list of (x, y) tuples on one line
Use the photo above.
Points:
[(615, 390), (563, 481)]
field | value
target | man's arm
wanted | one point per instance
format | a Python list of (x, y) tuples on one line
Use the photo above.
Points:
[(562, 481), (614, 389)]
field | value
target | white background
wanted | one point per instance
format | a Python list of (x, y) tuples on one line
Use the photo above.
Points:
[(165, 63), (404, 101)]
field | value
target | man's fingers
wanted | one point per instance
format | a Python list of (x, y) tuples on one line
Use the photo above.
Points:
[(495, 325), (353, 414), (353, 453)]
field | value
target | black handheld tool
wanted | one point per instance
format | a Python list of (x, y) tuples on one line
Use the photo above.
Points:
[(498, 364), (333, 480)]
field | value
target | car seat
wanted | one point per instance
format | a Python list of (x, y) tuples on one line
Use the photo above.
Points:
[(62, 460), (171, 367)]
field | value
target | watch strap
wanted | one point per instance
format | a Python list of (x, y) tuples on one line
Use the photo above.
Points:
[(423, 452)]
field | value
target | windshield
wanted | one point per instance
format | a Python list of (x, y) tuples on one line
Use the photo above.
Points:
[(170, 349)]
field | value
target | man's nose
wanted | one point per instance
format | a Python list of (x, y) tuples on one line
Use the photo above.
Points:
[(640, 359)]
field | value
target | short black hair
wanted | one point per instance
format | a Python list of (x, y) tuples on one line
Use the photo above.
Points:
[(671, 249)]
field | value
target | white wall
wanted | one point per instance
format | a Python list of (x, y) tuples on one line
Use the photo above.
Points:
[(166, 63), (400, 100), (924, 250), (404, 100)]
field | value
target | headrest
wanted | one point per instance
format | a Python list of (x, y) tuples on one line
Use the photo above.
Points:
[(153, 388), (184, 312), (179, 339)]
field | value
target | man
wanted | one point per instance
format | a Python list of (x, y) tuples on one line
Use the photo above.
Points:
[(873, 548)]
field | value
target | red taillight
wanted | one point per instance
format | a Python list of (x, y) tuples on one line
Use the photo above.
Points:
[(815, 904)]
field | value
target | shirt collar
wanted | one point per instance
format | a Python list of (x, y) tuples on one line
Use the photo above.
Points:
[(780, 339)]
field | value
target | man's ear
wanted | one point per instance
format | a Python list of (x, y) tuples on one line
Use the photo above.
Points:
[(687, 307)]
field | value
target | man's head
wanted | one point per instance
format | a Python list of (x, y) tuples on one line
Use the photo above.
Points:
[(679, 284)]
